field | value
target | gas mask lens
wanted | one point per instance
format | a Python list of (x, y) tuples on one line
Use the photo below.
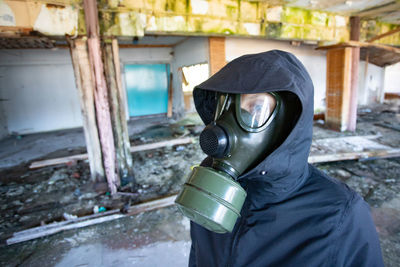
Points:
[(256, 109)]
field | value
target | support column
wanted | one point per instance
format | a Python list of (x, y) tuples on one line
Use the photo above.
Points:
[(118, 115), (342, 82), (85, 85), (217, 60), (338, 87), (354, 36), (101, 95)]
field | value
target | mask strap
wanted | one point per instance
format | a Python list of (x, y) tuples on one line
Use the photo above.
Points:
[(218, 112)]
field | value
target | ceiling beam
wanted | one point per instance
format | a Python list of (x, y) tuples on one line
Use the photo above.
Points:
[(384, 35), (378, 10)]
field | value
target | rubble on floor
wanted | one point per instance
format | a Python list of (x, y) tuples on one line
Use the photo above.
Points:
[(31, 197)]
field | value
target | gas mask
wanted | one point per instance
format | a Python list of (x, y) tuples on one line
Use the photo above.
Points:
[(245, 130)]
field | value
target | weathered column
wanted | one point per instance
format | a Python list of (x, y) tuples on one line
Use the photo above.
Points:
[(85, 85), (338, 87), (342, 82), (354, 36), (216, 49), (118, 115), (101, 95)]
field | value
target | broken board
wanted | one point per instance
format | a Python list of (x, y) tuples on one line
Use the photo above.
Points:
[(349, 148)]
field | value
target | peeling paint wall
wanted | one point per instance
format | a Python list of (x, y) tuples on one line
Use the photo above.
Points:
[(190, 17), (48, 19), (226, 17), (313, 60), (57, 21)]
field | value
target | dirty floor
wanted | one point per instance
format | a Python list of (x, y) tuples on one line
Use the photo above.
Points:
[(161, 238)]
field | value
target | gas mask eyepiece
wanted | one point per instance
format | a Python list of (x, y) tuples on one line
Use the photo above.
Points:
[(244, 131)]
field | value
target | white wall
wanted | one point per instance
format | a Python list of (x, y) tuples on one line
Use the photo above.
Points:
[(370, 83), (39, 88), (145, 55), (192, 51), (313, 60), (392, 78)]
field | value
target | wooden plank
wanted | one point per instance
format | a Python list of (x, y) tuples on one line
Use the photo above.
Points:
[(380, 55), (350, 148), (63, 160), (62, 223), (54, 228), (144, 45), (347, 144), (359, 44), (51, 231), (15, 31), (57, 161), (354, 155), (103, 116), (173, 142), (148, 206), (392, 96), (380, 36), (85, 85)]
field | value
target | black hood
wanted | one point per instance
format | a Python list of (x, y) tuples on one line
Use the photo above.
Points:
[(286, 168)]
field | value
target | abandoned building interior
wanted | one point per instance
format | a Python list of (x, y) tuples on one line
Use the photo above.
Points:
[(98, 129)]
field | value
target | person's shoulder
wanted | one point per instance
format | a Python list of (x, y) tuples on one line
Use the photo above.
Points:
[(330, 188)]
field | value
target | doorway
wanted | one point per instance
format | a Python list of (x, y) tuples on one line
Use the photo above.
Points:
[(147, 88), (191, 76)]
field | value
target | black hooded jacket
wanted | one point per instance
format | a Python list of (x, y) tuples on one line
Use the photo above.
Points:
[(294, 215)]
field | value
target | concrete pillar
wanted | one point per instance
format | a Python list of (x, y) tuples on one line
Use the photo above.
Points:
[(355, 60), (338, 88), (342, 82), (217, 59)]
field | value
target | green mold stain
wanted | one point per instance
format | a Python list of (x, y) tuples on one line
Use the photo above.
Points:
[(296, 23), (231, 12), (273, 30), (81, 23)]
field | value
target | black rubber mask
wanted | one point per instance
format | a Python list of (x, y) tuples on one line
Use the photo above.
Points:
[(245, 130)]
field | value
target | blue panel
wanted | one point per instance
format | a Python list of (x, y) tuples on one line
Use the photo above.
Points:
[(147, 88)]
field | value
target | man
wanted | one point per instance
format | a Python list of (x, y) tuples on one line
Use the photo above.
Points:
[(259, 112)]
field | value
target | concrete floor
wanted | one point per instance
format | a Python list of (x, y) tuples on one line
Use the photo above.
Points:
[(157, 238), (161, 238)]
